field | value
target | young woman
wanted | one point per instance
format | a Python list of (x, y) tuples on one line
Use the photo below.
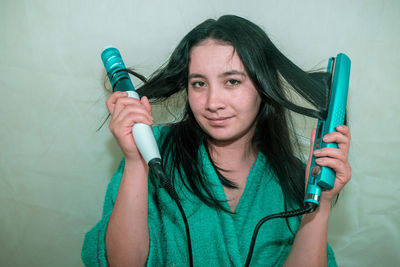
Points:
[(230, 160)]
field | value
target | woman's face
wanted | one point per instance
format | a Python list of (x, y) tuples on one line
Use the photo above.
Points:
[(221, 95)]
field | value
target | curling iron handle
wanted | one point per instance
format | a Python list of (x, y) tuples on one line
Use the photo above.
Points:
[(144, 137)]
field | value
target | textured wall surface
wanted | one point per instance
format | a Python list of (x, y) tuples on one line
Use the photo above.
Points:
[(55, 166)]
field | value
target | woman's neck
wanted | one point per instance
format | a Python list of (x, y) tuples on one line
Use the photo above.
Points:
[(232, 156)]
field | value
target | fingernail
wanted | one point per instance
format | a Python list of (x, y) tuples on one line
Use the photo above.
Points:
[(317, 152), (319, 161), (325, 138)]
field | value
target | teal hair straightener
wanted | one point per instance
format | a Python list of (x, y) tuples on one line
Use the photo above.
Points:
[(323, 178), (320, 178)]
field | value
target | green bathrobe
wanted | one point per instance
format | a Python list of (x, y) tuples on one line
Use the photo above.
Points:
[(218, 238)]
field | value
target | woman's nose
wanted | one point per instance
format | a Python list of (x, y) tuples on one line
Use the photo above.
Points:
[(215, 99)]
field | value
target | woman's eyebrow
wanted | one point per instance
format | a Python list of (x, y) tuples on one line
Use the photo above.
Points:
[(227, 73), (232, 72), (196, 75)]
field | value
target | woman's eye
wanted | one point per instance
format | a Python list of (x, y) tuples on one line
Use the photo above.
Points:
[(232, 82), (198, 84)]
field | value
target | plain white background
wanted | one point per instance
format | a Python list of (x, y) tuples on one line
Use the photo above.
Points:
[(54, 166)]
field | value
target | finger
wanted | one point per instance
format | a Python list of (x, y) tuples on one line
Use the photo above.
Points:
[(122, 125), (134, 114), (335, 153), (111, 101), (342, 170), (123, 102), (146, 103), (344, 130), (128, 121), (337, 137), (338, 166)]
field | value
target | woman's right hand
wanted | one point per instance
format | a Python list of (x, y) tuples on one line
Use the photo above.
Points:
[(127, 235), (125, 112)]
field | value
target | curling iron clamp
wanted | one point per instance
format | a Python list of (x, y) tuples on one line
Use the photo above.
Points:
[(322, 178)]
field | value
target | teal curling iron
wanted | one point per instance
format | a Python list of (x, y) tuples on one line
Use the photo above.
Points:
[(120, 81), (142, 133), (322, 178)]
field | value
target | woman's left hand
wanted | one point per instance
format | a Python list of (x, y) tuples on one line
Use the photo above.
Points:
[(335, 158)]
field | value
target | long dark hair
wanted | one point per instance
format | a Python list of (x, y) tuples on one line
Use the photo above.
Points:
[(272, 74)]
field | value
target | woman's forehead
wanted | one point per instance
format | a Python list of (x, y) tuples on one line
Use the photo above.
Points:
[(211, 56)]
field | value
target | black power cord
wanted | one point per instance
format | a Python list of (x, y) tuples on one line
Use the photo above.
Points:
[(310, 207), (156, 166)]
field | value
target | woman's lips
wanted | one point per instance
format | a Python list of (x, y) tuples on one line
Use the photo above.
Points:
[(221, 121)]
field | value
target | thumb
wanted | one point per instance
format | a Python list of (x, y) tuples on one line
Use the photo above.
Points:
[(311, 152), (313, 131)]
